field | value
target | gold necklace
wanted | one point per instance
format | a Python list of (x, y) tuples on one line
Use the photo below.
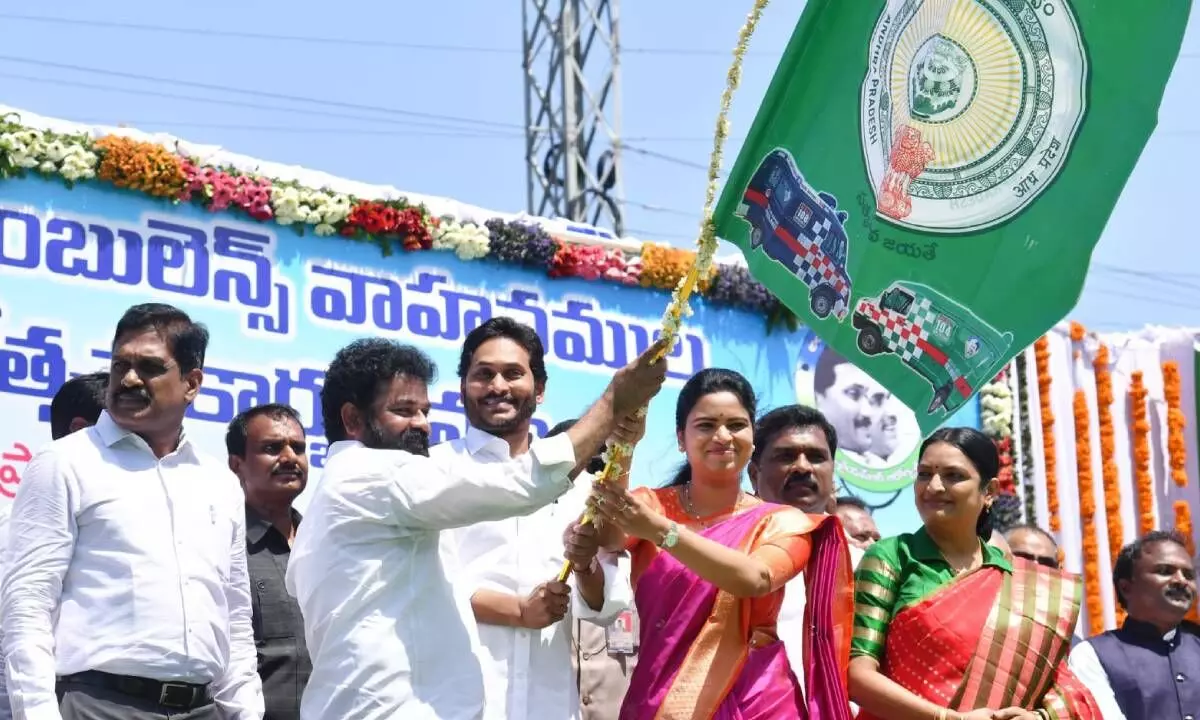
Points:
[(690, 508)]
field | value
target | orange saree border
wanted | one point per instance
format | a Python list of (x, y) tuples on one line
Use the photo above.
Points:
[(723, 645)]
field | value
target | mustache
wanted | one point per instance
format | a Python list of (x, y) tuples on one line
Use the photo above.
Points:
[(138, 393), (287, 470), (862, 421), (798, 478), (1180, 592)]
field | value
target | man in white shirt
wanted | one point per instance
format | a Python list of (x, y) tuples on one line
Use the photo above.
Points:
[(510, 566), (857, 522), (76, 405), (126, 593), (792, 464), (388, 634)]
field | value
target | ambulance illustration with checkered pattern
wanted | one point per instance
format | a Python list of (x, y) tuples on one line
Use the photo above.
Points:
[(941, 340), (801, 229)]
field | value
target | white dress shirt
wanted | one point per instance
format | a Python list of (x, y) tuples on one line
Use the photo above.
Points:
[(526, 673), (790, 624), (125, 563), (1085, 664), (388, 634)]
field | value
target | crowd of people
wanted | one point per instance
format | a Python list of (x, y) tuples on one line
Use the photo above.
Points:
[(144, 579)]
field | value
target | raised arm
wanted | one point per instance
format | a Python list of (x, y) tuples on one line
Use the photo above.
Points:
[(42, 535), (759, 573), (427, 497)]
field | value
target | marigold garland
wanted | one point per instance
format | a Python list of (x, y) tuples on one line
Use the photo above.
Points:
[(1176, 423), (1110, 473), (1078, 332), (134, 165), (1087, 515), (1183, 525), (1143, 481), (1041, 355)]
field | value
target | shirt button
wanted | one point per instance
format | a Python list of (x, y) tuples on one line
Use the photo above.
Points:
[(262, 585), (587, 656), (586, 699), (1180, 677)]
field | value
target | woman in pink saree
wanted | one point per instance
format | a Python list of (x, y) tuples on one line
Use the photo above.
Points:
[(709, 568)]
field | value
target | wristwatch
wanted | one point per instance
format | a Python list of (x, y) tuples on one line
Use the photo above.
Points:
[(670, 537)]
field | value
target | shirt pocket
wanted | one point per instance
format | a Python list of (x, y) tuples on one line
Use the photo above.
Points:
[(274, 611)]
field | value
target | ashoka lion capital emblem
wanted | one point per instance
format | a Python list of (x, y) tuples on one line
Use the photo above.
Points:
[(969, 108)]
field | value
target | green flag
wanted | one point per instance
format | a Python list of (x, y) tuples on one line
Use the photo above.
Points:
[(925, 180)]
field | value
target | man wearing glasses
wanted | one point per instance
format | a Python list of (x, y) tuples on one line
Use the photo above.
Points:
[(1033, 544)]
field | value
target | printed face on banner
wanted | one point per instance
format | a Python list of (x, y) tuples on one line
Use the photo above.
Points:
[(877, 435)]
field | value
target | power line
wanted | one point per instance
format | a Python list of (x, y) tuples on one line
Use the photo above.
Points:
[(355, 42), (458, 133), (259, 93)]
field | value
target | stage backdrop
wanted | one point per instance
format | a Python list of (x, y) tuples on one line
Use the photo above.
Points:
[(279, 305)]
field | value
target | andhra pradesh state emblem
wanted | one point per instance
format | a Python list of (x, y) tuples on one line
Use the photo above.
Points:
[(969, 108)]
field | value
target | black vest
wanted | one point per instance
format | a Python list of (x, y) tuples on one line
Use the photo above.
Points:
[(1152, 678)]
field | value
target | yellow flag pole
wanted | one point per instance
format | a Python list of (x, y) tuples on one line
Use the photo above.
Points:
[(706, 246)]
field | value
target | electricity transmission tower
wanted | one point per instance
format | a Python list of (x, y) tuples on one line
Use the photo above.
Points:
[(572, 110)]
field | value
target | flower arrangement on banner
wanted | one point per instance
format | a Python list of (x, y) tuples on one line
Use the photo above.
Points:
[(996, 416), (160, 172)]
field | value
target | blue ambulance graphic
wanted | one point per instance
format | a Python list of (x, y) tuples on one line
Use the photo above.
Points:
[(801, 229)]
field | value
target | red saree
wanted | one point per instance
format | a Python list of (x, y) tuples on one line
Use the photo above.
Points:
[(993, 640)]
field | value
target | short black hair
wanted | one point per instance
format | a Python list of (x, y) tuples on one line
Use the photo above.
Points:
[(770, 425), (360, 370), (239, 427), (1030, 527), (505, 327), (79, 397), (1131, 553), (825, 373), (186, 340), (853, 501)]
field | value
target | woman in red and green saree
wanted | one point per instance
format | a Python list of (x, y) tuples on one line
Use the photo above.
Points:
[(709, 566), (947, 627)]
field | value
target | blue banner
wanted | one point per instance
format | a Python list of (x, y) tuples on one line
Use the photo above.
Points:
[(279, 305)]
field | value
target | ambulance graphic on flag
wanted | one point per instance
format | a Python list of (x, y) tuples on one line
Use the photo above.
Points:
[(939, 339), (801, 229)]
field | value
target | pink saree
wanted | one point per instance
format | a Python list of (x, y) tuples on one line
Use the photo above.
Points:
[(701, 659)]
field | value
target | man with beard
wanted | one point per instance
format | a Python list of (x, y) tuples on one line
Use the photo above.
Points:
[(852, 401), (268, 452), (509, 566), (1149, 668), (792, 464), (126, 593), (389, 635)]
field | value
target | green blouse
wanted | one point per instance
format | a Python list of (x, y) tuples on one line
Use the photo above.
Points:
[(898, 572)]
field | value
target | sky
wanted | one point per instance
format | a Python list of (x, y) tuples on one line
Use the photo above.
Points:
[(429, 97)]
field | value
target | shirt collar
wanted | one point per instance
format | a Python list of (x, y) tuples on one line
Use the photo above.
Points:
[(1149, 631), (478, 441), (924, 548), (257, 526), (111, 433)]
